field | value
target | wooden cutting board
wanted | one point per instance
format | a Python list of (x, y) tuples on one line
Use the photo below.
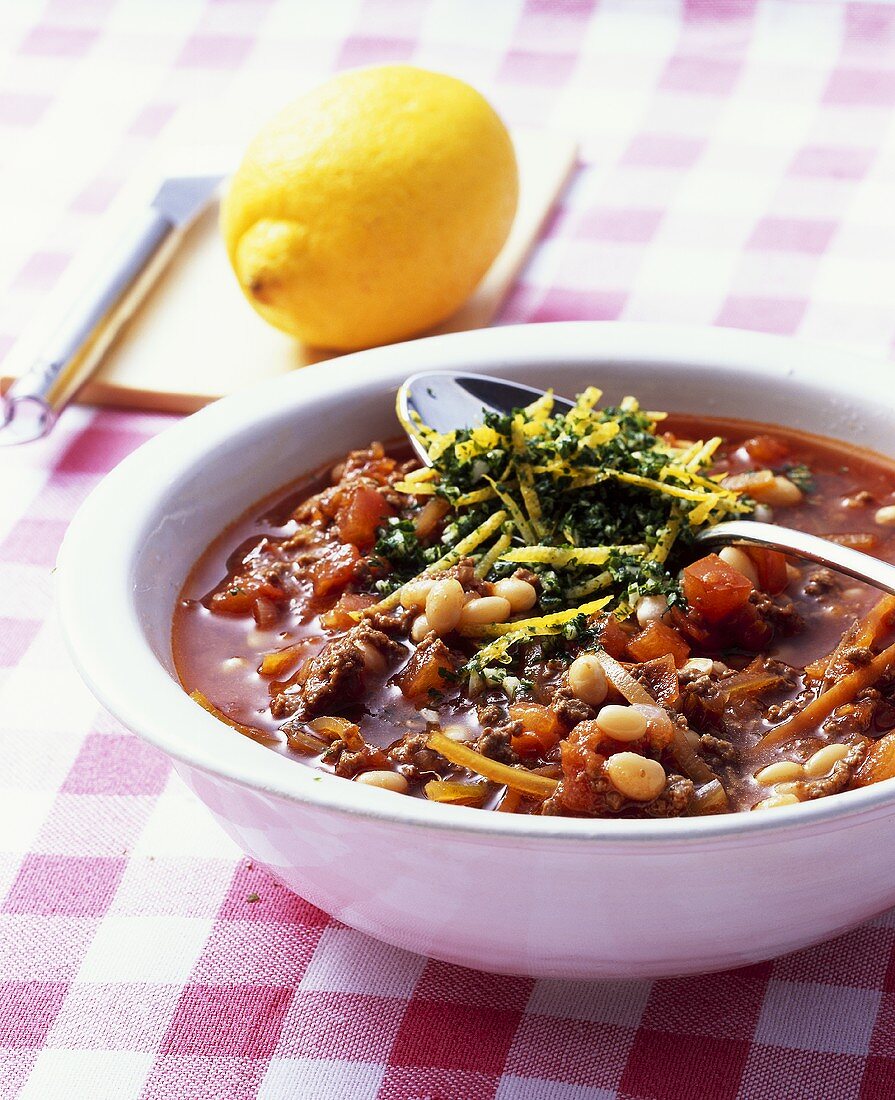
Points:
[(195, 338)]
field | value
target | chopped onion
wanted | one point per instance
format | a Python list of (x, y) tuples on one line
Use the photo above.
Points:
[(623, 681), (689, 760)]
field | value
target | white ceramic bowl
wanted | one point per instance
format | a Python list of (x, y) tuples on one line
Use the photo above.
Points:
[(547, 897)]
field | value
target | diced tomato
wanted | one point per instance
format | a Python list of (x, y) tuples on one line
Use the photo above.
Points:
[(335, 568), (238, 595), (429, 672), (771, 568), (365, 510), (659, 640), (613, 638), (339, 616), (690, 627), (715, 589), (766, 450), (538, 722), (582, 762), (527, 744)]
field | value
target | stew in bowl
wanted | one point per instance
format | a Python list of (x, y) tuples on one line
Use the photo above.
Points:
[(526, 625)]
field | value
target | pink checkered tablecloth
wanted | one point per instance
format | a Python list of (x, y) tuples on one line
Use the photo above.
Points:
[(738, 169)]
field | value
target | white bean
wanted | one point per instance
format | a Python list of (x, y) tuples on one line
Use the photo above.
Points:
[(587, 679), (414, 593), (621, 723), (635, 776), (420, 628), (650, 609), (521, 595), (738, 559), (885, 516), (781, 771), (781, 493), (785, 799), (483, 610), (821, 763), (387, 781), (444, 603)]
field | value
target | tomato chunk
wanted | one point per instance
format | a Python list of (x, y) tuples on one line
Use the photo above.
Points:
[(771, 568), (335, 568), (766, 450), (659, 640), (365, 510), (428, 674), (715, 589), (613, 638), (238, 595), (339, 616), (542, 728)]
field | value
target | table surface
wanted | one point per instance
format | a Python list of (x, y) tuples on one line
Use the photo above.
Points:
[(737, 170)]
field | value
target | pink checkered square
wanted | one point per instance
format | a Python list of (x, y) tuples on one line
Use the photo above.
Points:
[(580, 305), (27, 1011), (214, 51), (631, 226), (43, 270), (114, 1016), (830, 161), (456, 985), (729, 1004), (151, 119), (776, 315), (664, 1065), (237, 1021), (853, 87), (73, 886), (240, 952), (58, 41), (361, 49), (98, 450), (792, 235), (806, 1073), (531, 67), (701, 75), (22, 108), (33, 542), (658, 150), (860, 959), (203, 1077), (436, 1034), (436, 1083), (119, 764)]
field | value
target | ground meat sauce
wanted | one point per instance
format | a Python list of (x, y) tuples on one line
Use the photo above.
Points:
[(280, 633)]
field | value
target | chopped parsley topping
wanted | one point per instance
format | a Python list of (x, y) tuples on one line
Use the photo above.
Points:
[(594, 501)]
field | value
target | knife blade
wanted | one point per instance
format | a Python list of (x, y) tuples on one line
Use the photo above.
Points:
[(34, 401)]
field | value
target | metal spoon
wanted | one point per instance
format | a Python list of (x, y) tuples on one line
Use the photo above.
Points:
[(445, 401)]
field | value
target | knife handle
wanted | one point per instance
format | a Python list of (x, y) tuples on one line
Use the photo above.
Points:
[(32, 403)]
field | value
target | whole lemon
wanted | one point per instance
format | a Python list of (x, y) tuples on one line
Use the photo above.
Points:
[(369, 209)]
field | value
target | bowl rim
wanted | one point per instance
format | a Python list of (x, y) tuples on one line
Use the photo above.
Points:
[(97, 643)]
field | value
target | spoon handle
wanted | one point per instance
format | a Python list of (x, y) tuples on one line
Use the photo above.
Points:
[(854, 563)]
